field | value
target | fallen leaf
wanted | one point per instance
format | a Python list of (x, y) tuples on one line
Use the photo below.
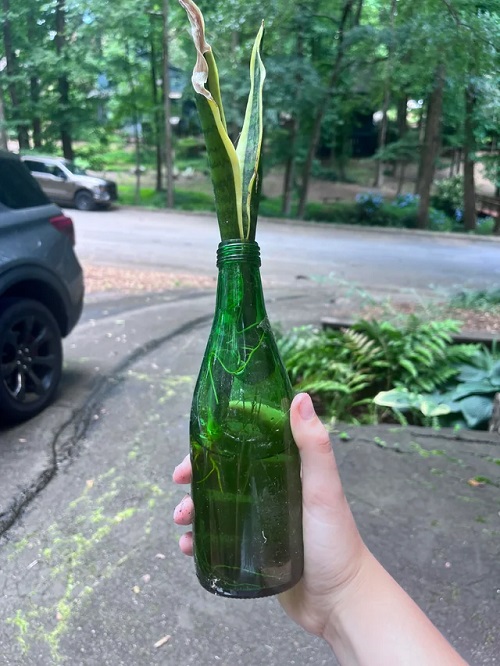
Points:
[(475, 483), (162, 641)]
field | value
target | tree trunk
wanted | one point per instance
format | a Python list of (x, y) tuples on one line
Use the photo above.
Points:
[(3, 133), (452, 163), (379, 169), (402, 124), (469, 147), (63, 85), (288, 181), (293, 127), (136, 118), (430, 148), (348, 8), (156, 112), (166, 105), (36, 122), (401, 179), (12, 72), (137, 142)]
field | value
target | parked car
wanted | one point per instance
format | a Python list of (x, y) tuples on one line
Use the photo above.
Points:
[(67, 184), (41, 291)]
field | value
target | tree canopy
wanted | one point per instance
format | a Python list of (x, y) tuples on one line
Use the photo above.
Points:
[(73, 72)]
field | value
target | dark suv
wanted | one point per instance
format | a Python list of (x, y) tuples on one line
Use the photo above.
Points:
[(41, 291)]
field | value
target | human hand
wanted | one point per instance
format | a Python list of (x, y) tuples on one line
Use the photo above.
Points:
[(333, 549)]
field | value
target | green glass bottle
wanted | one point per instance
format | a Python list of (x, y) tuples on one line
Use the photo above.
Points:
[(246, 483)]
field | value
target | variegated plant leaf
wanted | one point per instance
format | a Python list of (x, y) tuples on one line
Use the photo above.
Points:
[(223, 160), (250, 143)]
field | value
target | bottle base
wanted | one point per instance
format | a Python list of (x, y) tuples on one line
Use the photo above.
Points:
[(214, 587)]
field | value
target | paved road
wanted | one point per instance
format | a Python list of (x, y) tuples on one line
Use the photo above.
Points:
[(381, 262)]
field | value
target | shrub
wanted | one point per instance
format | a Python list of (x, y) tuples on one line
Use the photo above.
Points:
[(485, 226), (346, 369), (90, 156), (477, 299), (448, 197), (406, 200), (189, 147), (439, 221), (467, 401), (369, 210)]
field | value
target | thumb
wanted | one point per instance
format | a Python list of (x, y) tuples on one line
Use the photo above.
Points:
[(321, 483)]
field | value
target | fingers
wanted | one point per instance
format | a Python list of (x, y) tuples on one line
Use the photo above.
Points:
[(186, 543), (182, 473), (320, 479), (184, 511)]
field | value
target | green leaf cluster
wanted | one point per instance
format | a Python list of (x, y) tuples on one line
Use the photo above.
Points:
[(465, 401), (477, 299), (346, 369)]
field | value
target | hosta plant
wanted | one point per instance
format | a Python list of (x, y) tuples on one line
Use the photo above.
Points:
[(466, 400)]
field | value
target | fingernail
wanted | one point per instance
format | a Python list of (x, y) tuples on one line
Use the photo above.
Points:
[(306, 409)]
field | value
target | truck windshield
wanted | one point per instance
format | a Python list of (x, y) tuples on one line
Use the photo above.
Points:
[(78, 171)]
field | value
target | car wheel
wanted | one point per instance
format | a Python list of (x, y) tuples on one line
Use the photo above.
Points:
[(84, 200), (30, 359)]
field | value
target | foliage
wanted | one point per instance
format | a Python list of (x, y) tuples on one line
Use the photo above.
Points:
[(113, 64), (372, 209), (405, 200), (184, 199), (190, 147), (477, 299), (465, 401), (346, 369), (448, 196)]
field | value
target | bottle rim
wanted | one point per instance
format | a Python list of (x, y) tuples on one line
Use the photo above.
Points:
[(237, 250)]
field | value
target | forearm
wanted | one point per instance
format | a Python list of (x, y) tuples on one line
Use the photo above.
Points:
[(375, 623)]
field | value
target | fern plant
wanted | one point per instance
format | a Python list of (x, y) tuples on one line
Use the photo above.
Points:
[(417, 355), (346, 369)]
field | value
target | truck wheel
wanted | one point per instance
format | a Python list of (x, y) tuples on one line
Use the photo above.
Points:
[(30, 359), (84, 200)]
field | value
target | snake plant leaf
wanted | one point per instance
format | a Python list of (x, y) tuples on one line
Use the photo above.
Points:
[(250, 142), (223, 160)]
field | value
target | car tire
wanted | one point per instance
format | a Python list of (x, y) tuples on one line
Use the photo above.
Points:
[(30, 359), (84, 200)]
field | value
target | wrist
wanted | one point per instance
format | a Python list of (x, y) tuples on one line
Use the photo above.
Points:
[(350, 599), (375, 622)]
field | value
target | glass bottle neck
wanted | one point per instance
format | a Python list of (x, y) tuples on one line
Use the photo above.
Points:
[(238, 251), (239, 287)]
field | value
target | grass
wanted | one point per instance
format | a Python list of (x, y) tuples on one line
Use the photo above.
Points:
[(185, 199), (342, 212), (477, 299)]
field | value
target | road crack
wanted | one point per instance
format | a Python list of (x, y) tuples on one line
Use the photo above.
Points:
[(66, 441)]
